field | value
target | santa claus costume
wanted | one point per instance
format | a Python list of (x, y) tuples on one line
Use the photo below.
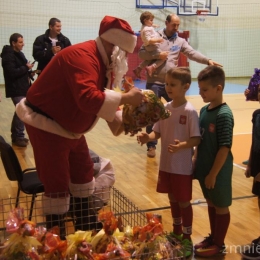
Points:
[(64, 103)]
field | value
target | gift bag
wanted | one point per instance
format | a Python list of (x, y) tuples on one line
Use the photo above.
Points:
[(253, 86), (147, 113)]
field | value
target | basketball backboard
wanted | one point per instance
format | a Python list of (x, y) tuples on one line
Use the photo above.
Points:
[(184, 7), (194, 7)]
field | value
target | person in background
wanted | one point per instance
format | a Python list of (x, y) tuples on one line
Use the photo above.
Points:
[(17, 74), (150, 41), (251, 93), (213, 159), (253, 170), (47, 45), (64, 103), (170, 51), (179, 134)]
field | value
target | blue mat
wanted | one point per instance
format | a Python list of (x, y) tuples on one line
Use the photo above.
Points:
[(230, 88)]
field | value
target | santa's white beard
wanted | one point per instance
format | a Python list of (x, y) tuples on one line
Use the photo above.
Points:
[(120, 66)]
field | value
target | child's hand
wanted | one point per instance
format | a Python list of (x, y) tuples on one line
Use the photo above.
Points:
[(246, 92), (257, 177), (155, 25), (173, 148), (210, 181), (248, 172), (159, 40), (193, 163), (143, 138), (163, 55)]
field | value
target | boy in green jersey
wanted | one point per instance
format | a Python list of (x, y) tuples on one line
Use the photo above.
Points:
[(213, 159)]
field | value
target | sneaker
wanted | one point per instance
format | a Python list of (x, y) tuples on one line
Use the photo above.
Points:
[(210, 250), (26, 140), (137, 72), (150, 70), (204, 243), (178, 237), (173, 238), (20, 143), (151, 152), (252, 253), (186, 248)]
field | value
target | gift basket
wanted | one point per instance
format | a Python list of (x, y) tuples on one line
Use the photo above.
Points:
[(147, 113), (126, 233)]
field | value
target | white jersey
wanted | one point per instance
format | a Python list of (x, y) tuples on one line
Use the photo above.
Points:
[(181, 125)]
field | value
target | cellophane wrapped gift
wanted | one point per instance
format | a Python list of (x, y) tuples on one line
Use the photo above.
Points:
[(114, 241), (253, 86), (147, 113)]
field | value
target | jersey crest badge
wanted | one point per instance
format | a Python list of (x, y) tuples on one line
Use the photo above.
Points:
[(211, 128), (183, 120)]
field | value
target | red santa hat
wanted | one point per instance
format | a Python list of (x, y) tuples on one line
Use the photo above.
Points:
[(118, 32)]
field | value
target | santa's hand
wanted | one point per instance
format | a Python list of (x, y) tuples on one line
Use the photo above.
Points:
[(133, 97), (117, 126)]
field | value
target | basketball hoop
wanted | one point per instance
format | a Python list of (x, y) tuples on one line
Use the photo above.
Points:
[(202, 14)]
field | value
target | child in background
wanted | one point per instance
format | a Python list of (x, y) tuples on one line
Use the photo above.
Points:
[(179, 134), (150, 40), (213, 159), (253, 169), (251, 92)]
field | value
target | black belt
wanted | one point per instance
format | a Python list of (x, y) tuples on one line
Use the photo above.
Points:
[(36, 109)]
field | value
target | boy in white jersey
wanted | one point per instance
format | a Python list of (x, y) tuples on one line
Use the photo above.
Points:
[(179, 134)]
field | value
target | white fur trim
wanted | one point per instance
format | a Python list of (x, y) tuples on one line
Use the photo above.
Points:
[(104, 57), (110, 105), (82, 190), (124, 40), (28, 116), (55, 205)]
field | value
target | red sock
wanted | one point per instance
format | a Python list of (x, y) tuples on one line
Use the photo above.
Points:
[(176, 216), (212, 219), (222, 224), (187, 216)]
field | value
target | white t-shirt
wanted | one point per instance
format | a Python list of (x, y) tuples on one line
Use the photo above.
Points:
[(181, 125), (53, 41)]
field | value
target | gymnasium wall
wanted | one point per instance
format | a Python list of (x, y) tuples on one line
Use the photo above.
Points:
[(232, 38)]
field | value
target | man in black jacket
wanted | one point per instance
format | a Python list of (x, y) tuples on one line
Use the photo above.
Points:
[(17, 74), (47, 45)]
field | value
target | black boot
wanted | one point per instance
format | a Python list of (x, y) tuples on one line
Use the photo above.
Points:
[(86, 215), (56, 220)]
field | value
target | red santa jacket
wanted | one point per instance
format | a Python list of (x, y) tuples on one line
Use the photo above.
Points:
[(71, 88)]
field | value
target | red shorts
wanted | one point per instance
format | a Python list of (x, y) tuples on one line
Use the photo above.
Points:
[(177, 184)]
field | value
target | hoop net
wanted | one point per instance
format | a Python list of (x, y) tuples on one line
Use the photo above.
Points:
[(202, 14)]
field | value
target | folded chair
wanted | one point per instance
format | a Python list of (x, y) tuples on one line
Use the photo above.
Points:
[(28, 181)]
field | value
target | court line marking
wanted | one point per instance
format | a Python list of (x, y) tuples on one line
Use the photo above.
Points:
[(201, 202), (239, 166), (249, 133)]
